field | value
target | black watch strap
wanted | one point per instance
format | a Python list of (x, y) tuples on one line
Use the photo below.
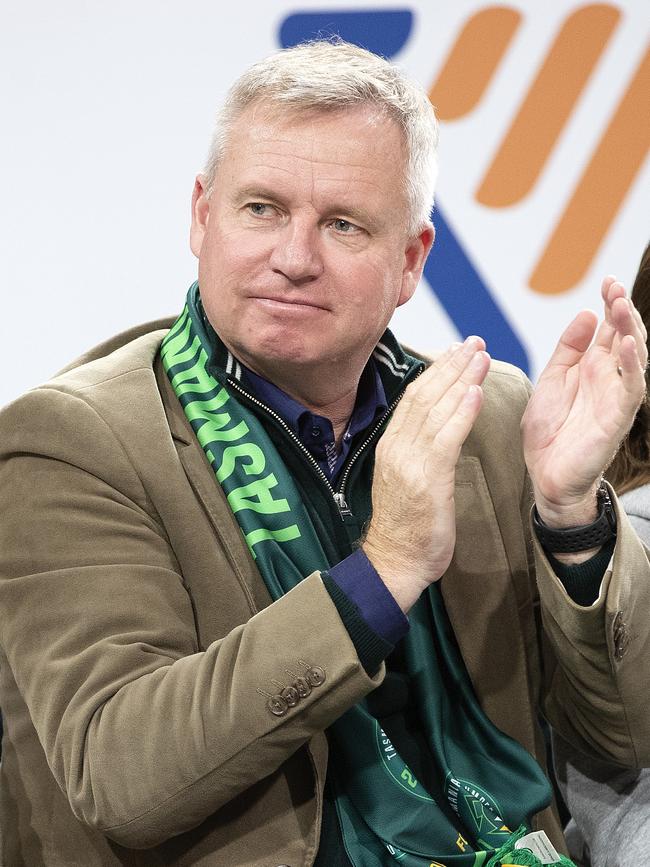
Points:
[(572, 539)]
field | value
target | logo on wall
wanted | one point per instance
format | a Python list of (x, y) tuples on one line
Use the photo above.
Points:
[(553, 91)]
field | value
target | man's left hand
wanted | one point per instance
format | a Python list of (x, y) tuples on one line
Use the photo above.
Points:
[(584, 404)]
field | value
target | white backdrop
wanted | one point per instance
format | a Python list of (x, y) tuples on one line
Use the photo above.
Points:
[(107, 113)]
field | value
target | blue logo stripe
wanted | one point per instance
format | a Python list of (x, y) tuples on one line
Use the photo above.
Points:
[(467, 301), (383, 31)]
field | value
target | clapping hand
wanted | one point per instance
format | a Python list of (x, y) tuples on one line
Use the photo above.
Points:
[(584, 404)]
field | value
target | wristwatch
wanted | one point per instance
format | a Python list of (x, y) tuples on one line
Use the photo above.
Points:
[(571, 539)]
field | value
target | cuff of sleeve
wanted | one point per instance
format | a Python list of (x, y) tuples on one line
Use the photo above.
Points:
[(582, 581), (371, 648), (359, 580)]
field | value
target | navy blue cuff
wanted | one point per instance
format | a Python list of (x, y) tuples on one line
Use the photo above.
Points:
[(359, 580), (371, 648)]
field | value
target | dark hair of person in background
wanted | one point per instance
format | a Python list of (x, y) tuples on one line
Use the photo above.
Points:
[(631, 466)]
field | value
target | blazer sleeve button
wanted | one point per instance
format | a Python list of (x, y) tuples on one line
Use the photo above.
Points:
[(277, 705), (303, 687), (621, 636), (315, 675), (290, 695)]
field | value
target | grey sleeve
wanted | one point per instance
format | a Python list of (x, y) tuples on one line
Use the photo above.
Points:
[(637, 507), (610, 806)]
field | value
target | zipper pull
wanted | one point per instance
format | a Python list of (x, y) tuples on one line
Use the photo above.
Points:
[(339, 499)]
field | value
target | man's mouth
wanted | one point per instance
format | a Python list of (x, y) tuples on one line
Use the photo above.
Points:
[(287, 303)]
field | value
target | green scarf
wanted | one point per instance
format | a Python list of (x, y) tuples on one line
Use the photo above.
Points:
[(482, 784)]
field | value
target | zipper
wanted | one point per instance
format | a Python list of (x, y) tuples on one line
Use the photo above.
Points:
[(293, 437), (369, 439), (371, 436), (337, 495)]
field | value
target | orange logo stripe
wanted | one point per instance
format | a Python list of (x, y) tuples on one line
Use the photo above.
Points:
[(547, 106), (600, 192), (472, 61)]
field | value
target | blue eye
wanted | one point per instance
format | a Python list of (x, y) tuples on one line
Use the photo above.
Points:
[(343, 226), (258, 208)]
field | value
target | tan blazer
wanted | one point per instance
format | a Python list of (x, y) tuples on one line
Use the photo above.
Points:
[(139, 646)]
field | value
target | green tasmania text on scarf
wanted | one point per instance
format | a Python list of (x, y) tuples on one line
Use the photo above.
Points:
[(488, 785)]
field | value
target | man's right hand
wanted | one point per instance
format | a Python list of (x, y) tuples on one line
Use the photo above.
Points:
[(411, 537)]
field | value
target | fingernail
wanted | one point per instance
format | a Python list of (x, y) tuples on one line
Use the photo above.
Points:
[(476, 362)]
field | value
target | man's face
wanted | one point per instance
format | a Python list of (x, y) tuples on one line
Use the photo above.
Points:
[(302, 245)]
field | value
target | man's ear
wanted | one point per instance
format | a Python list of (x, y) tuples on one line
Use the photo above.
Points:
[(200, 215), (415, 255)]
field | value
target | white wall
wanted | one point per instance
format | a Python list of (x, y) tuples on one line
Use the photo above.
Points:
[(107, 111)]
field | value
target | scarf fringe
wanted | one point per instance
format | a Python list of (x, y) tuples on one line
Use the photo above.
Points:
[(508, 856)]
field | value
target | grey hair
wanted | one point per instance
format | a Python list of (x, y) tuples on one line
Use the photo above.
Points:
[(330, 74)]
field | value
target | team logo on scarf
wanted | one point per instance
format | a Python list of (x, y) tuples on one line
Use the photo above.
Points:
[(476, 808)]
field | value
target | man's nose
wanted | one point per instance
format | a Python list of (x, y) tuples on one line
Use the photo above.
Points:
[(296, 253)]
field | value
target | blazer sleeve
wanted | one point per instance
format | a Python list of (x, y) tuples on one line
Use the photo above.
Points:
[(145, 733), (600, 655), (595, 661)]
